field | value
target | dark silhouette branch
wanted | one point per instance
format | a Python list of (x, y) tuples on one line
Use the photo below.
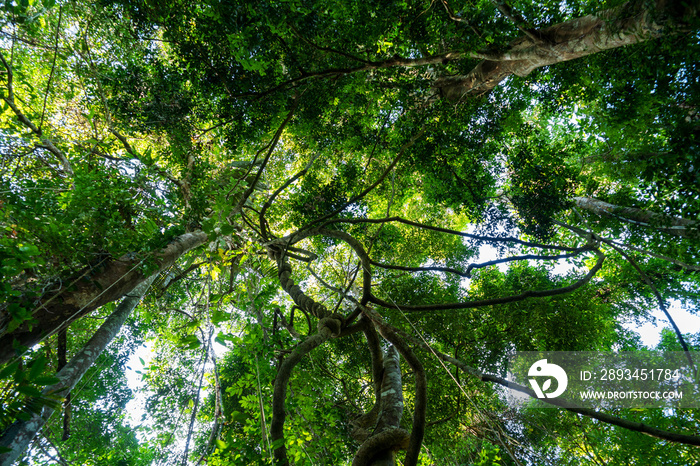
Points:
[(504, 300), (268, 203), (467, 273), (271, 147), (488, 239), (367, 190)]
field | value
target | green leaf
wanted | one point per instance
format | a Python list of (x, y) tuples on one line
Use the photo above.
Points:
[(46, 380), (29, 249), (190, 341), (37, 367), (29, 390), (9, 370), (208, 226), (227, 229), (239, 416), (219, 316)]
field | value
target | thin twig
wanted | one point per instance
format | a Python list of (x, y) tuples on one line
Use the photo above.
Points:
[(516, 19), (53, 67), (46, 144)]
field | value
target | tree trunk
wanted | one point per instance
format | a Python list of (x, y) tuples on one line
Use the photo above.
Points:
[(676, 226), (387, 437), (62, 350), (18, 436), (627, 24), (75, 298)]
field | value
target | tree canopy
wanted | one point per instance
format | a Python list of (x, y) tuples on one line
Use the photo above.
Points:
[(290, 202)]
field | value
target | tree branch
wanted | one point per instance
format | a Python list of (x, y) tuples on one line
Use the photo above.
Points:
[(626, 24), (517, 20), (467, 273), (603, 417), (45, 143), (53, 67), (111, 281), (362, 194), (272, 145), (387, 436), (19, 434), (327, 327), (504, 300), (676, 226), (277, 192), (487, 239)]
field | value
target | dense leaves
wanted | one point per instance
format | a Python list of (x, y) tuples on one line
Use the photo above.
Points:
[(336, 199)]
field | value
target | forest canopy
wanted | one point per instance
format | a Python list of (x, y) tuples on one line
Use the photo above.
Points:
[(332, 223)]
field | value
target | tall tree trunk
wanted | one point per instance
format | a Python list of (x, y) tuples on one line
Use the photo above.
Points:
[(379, 449), (62, 362), (75, 298), (676, 226), (630, 23), (18, 436)]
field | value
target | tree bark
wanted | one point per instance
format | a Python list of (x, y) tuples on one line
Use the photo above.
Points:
[(326, 328), (106, 283), (676, 226), (62, 362), (378, 450), (630, 23), (18, 436)]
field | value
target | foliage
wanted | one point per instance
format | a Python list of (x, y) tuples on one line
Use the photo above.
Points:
[(349, 204)]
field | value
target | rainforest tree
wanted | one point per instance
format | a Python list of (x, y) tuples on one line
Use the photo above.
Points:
[(300, 195)]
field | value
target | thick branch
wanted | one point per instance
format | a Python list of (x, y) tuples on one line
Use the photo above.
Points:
[(676, 226), (388, 419), (421, 388), (352, 242), (19, 434), (627, 24), (327, 328), (300, 298), (367, 420), (108, 282)]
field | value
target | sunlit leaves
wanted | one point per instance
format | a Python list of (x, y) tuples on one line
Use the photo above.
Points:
[(541, 184), (165, 112)]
